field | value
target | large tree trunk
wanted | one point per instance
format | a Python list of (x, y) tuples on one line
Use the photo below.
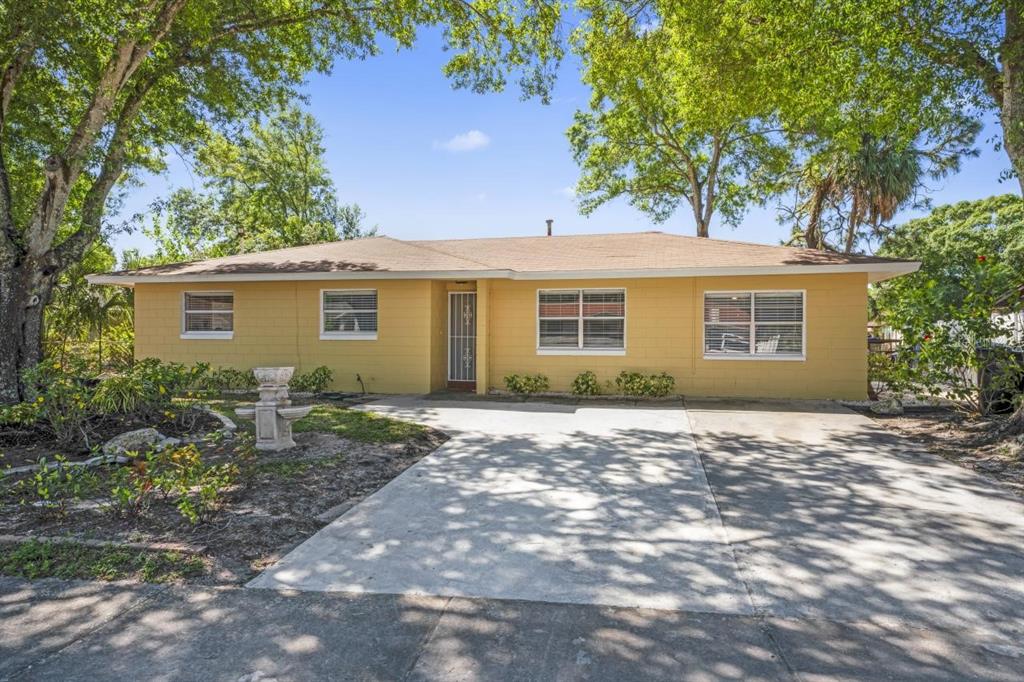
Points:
[(24, 292), (1011, 99)]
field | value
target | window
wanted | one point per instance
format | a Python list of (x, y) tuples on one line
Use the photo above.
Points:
[(348, 314), (768, 324), (208, 315), (581, 320)]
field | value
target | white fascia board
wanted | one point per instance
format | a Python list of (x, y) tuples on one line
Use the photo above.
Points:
[(131, 280), (877, 272)]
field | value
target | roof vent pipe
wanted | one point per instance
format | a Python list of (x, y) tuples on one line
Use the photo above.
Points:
[(549, 221)]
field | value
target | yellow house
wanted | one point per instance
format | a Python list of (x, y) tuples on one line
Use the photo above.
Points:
[(723, 318)]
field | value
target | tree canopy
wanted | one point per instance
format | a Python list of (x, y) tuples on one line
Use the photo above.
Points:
[(665, 124), (92, 91), (265, 188)]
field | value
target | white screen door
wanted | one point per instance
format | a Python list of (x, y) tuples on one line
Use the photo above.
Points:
[(462, 336)]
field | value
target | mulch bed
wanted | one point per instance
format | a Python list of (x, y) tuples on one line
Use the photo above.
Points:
[(969, 442), (279, 502), (25, 445)]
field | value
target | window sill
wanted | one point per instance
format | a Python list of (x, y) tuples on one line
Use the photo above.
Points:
[(208, 335), (746, 356), (580, 351), (348, 337)]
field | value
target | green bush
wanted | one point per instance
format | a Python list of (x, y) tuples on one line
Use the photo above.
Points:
[(526, 383), (229, 379), (62, 398), (54, 485), (641, 385), (314, 381), (586, 383), (148, 388), (177, 474), (20, 414)]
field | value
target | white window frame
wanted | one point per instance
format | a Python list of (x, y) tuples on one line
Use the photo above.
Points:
[(802, 357), (580, 350), (349, 336), (185, 334)]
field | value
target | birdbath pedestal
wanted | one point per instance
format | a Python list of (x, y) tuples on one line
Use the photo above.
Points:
[(273, 412)]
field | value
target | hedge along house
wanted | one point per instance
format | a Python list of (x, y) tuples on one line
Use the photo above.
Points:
[(724, 318)]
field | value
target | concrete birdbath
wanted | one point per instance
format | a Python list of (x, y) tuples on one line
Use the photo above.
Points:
[(273, 412)]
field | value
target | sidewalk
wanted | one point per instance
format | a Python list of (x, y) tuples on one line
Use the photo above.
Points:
[(53, 630)]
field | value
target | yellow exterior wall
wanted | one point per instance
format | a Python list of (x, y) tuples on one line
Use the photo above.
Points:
[(664, 333), (277, 323)]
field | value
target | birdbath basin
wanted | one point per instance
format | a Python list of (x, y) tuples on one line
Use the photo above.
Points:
[(273, 376)]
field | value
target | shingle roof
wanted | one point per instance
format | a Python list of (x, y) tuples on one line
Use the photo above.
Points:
[(623, 254)]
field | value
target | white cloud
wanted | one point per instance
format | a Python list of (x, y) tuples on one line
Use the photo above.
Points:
[(468, 141), (568, 192)]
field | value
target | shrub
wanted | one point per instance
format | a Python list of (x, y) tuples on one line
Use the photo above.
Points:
[(586, 383), (54, 485), (526, 383), (641, 385), (177, 474), (314, 381), (148, 388), (62, 400), (229, 379), (20, 414)]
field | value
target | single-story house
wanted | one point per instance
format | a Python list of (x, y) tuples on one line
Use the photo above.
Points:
[(724, 318)]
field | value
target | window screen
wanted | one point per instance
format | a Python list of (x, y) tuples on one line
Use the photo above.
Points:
[(349, 312), (209, 312), (582, 319), (769, 323)]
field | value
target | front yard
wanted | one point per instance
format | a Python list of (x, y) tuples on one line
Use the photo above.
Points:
[(212, 510)]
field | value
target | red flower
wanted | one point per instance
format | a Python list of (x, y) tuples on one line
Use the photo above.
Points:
[(927, 337), (982, 259)]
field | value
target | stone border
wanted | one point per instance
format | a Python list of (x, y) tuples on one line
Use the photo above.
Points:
[(228, 427), (88, 542)]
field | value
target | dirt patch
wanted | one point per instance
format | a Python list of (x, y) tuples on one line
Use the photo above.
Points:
[(274, 506), (25, 445), (961, 439)]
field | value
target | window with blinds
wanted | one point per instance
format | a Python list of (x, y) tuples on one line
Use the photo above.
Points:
[(754, 324), (348, 314), (208, 313), (581, 319)]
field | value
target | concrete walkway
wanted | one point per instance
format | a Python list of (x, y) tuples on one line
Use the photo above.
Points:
[(588, 505)]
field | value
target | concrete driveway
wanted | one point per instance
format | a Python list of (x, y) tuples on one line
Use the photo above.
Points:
[(796, 510), (557, 503)]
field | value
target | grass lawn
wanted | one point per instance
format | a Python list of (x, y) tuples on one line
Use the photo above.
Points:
[(339, 420), (33, 559)]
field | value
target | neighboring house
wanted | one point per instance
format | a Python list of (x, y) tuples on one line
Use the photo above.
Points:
[(724, 318)]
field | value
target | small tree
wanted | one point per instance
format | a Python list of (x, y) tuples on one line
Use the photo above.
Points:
[(972, 256), (955, 350)]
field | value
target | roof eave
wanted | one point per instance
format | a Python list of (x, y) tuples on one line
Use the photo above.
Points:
[(876, 272)]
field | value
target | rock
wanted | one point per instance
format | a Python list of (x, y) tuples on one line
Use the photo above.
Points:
[(139, 440), (889, 406)]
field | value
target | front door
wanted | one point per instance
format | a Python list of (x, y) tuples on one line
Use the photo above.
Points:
[(462, 339)]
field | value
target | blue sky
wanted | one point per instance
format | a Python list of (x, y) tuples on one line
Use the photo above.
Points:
[(425, 161)]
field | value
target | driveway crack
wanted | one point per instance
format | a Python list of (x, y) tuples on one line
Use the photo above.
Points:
[(759, 614), (426, 640)]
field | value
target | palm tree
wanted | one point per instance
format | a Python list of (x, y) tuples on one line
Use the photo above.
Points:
[(867, 186)]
